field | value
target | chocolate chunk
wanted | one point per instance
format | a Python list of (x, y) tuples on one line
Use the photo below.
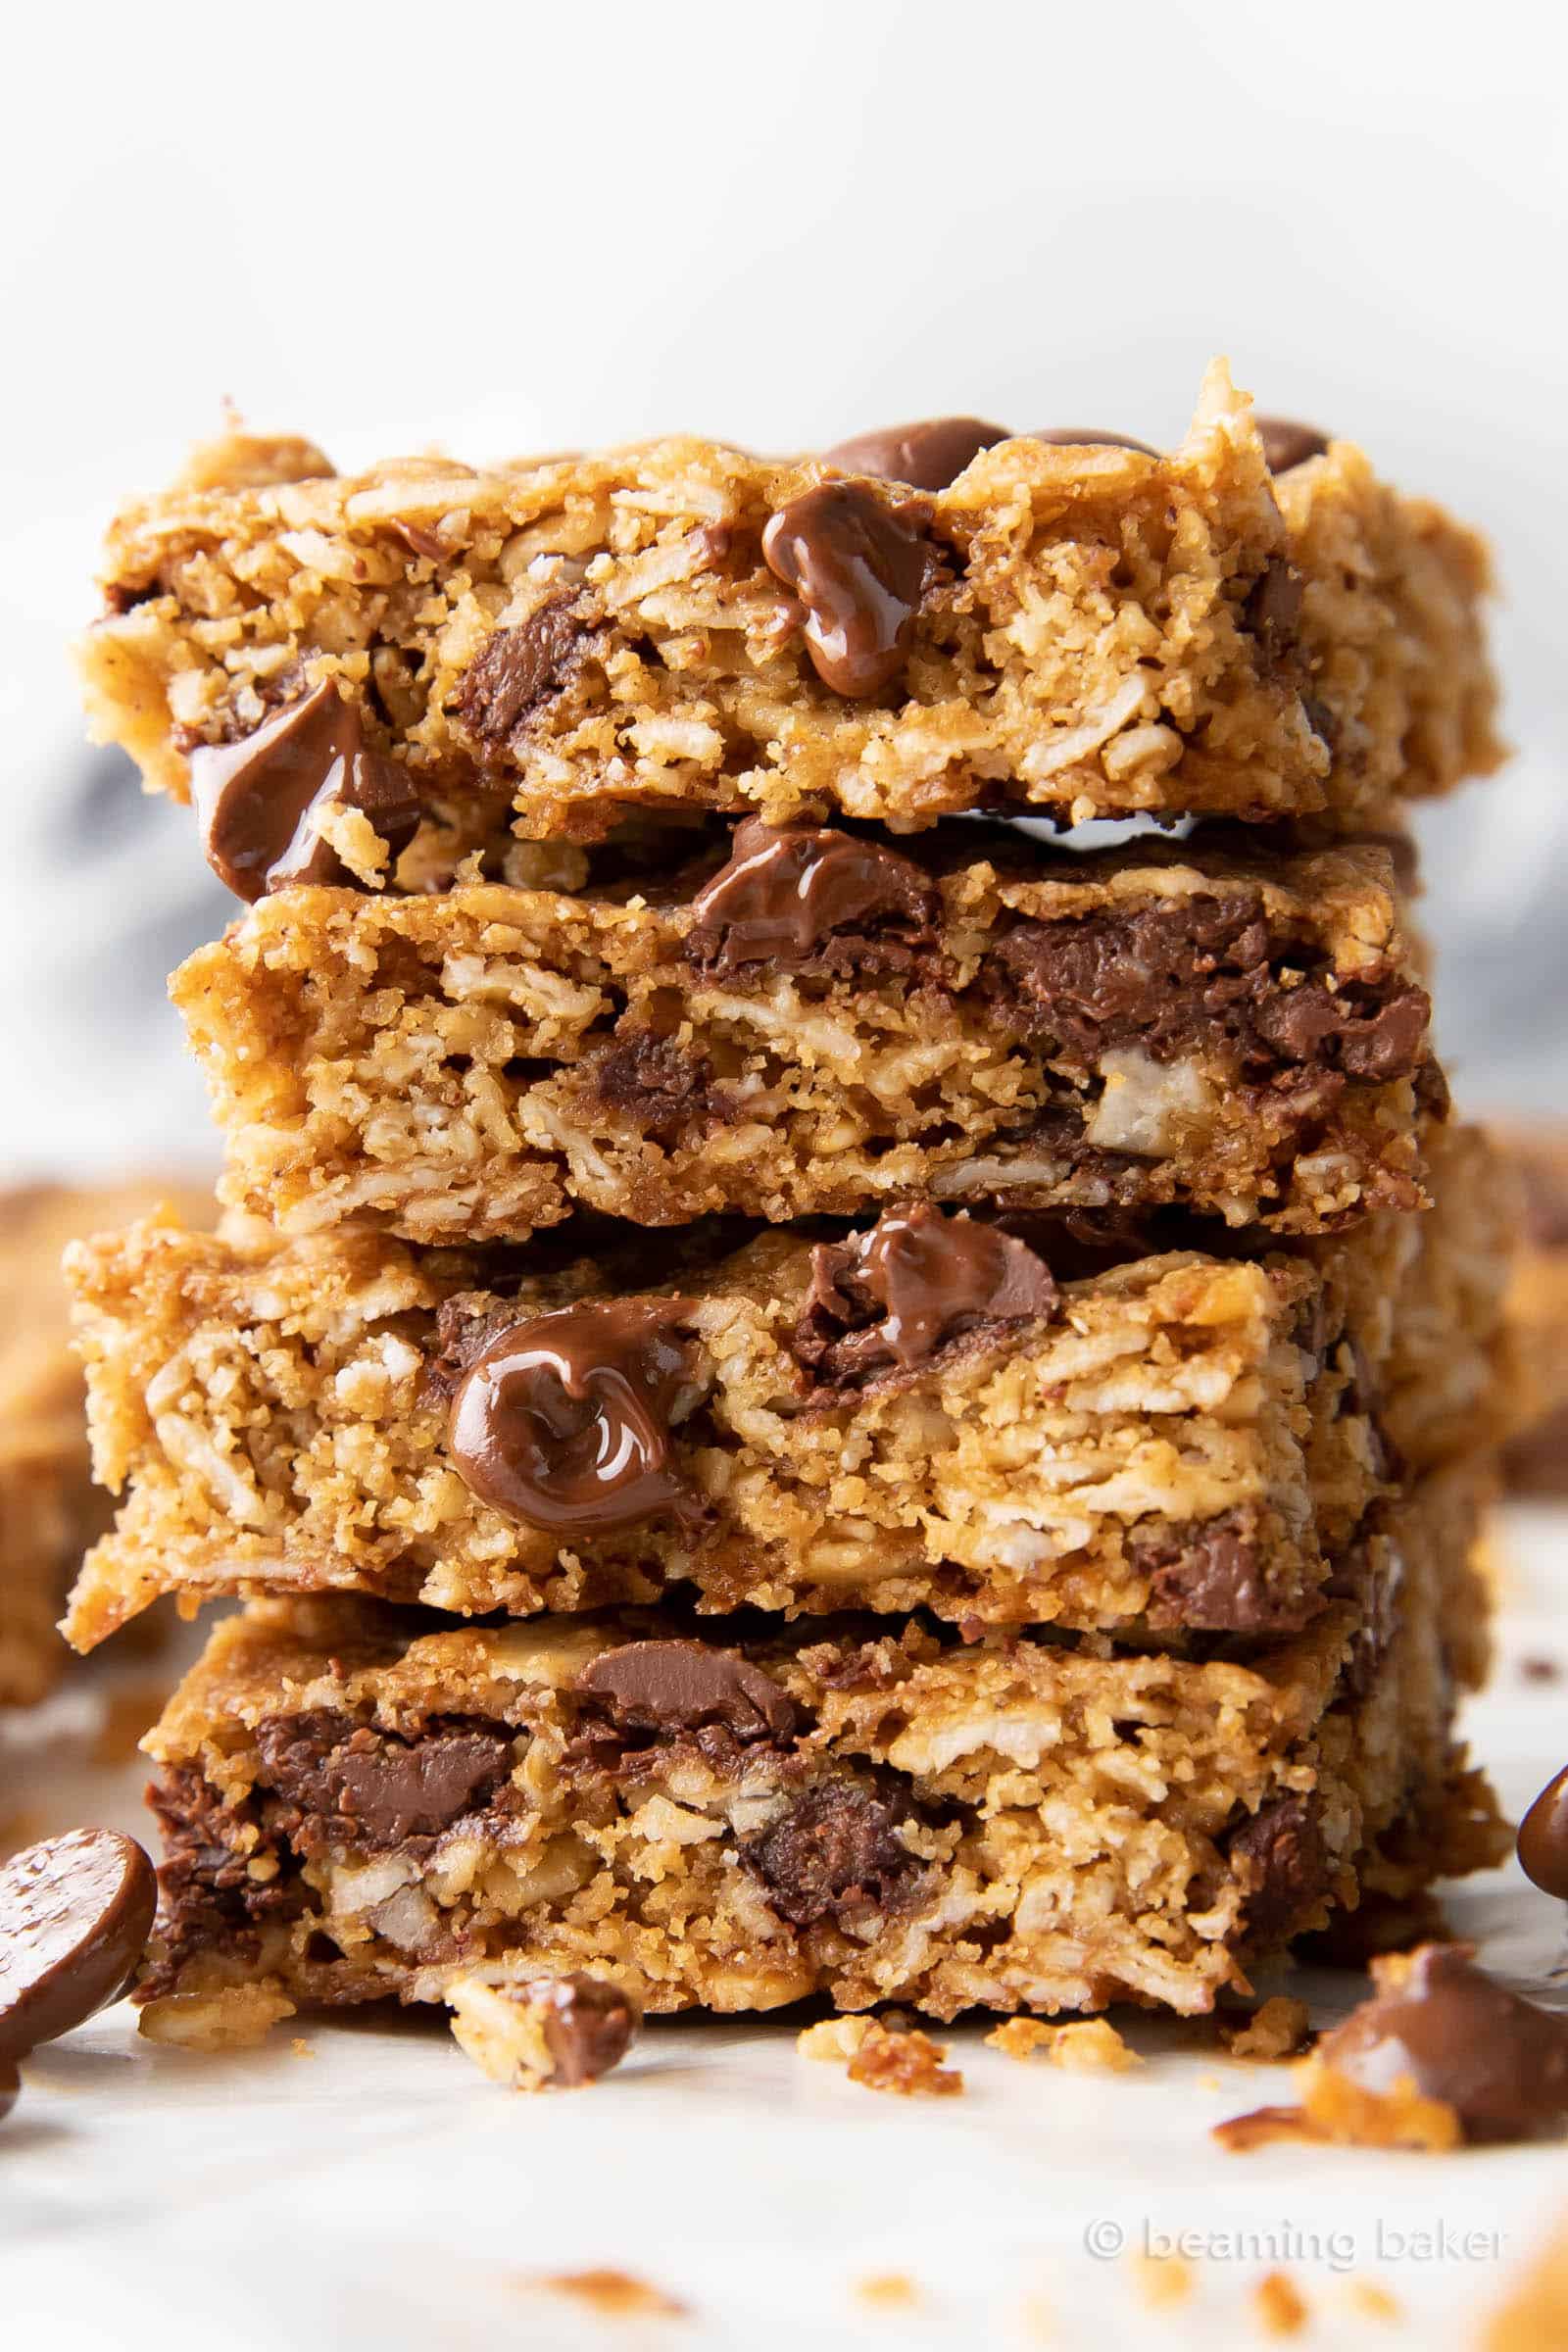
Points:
[(564, 1421), (10, 2086), (1314, 1023), (805, 895), (1281, 1863), (1370, 1576), (589, 2026), (1074, 436), (519, 669), (74, 1913), (836, 1855), (1273, 607), (351, 1785), (211, 1901), (914, 1284), (654, 1083), (1544, 1838), (861, 568), (1211, 1579), (1286, 444), (1444, 2026), (1195, 975), (258, 799), (678, 1686), (928, 456)]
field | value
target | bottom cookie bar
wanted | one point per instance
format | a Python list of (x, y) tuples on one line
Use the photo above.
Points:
[(50, 1509), (361, 1802)]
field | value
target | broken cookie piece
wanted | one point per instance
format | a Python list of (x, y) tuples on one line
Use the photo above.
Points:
[(560, 2031)]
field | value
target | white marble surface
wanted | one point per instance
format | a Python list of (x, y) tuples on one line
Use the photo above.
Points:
[(376, 2194)]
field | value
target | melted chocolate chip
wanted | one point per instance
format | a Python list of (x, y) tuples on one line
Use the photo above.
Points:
[(519, 669), (1286, 444), (1074, 436), (588, 2026), (914, 1284), (1274, 605), (1460, 2038), (836, 1855), (258, 799), (861, 568), (654, 1083), (1211, 1578), (928, 456), (1281, 1865), (564, 1421), (1544, 1838), (74, 1913), (679, 1686), (352, 1785), (789, 896)]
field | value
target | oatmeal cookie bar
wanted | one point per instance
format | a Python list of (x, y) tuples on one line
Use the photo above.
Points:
[(50, 1510), (1082, 627), (1537, 1457), (933, 1412), (816, 1023), (358, 1803)]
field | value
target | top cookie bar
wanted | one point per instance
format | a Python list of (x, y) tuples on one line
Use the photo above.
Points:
[(910, 626)]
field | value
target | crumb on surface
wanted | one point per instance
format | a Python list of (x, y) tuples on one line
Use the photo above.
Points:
[(893, 2290), (616, 2293), (301, 2048), (908, 2064), (1278, 2030), (236, 2018), (1535, 2312), (1090, 2047), (1164, 2280), (1281, 2306), (1373, 2300), (1337, 2109)]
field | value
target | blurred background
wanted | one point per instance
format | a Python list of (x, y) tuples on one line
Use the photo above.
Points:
[(501, 228)]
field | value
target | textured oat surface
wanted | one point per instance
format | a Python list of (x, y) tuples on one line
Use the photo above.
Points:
[(1013, 1824), (49, 1507), (1222, 1028), (1102, 632), (280, 1412)]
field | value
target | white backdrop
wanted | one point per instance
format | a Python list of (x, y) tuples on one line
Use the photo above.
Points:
[(504, 227)]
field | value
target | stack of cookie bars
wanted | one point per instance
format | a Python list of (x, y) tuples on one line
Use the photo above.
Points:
[(812, 1388)]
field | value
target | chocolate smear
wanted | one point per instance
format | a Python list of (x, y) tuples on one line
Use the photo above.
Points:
[(800, 895), (861, 568), (892, 1297), (258, 798), (564, 1421)]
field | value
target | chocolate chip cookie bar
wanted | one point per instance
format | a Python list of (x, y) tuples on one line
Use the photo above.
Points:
[(359, 1803), (932, 1411), (50, 1510), (808, 1021), (924, 622)]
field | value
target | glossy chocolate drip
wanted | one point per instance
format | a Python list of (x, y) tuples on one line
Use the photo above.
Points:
[(1462, 2038), (564, 1421), (785, 891), (1544, 1838), (258, 799), (927, 456), (1287, 444), (917, 1280), (860, 569)]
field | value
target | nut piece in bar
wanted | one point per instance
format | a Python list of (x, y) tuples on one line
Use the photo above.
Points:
[(560, 2031), (75, 1914)]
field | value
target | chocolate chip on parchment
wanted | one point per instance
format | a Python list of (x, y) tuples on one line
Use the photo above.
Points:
[(1544, 1838), (74, 1913)]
